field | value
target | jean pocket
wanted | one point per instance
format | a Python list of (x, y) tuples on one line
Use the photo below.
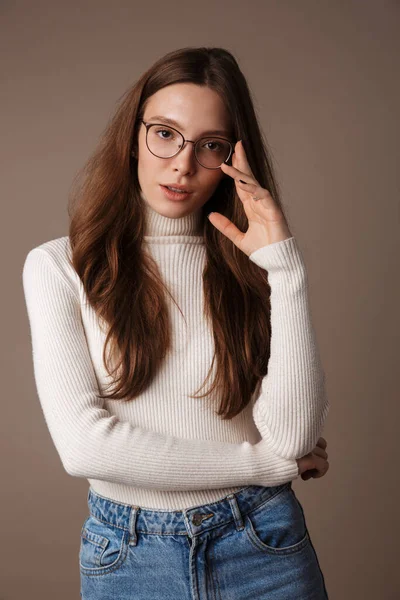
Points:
[(278, 526), (103, 547)]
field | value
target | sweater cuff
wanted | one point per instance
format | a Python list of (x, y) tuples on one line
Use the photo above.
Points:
[(271, 468), (284, 255)]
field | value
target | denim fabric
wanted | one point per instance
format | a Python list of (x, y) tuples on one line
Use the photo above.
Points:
[(251, 544)]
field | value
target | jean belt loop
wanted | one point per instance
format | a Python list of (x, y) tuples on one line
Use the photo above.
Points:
[(132, 525), (237, 515)]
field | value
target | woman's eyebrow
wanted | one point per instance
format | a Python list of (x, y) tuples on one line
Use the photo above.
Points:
[(174, 123)]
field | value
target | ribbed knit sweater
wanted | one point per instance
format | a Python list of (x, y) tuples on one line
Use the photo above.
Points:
[(163, 449)]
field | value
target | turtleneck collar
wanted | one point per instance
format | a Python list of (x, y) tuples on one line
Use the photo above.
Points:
[(158, 225)]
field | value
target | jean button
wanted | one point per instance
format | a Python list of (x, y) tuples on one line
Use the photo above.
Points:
[(197, 519)]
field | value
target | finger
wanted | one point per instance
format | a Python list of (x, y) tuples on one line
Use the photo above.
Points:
[(225, 226), (237, 174), (323, 471), (312, 460), (316, 472), (241, 159), (256, 191), (308, 474), (320, 452), (321, 465)]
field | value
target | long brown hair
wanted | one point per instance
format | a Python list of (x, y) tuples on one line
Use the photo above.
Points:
[(122, 282)]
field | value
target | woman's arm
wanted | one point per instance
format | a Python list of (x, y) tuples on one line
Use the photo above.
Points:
[(94, 444), (292, 407)]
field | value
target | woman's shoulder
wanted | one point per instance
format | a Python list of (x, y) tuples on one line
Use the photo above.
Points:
[(57, 247), (52, 257)]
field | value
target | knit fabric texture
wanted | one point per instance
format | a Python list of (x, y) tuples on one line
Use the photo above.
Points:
[(165, 450)]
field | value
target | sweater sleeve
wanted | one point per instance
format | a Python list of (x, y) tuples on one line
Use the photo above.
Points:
[(94, 444), (292, 407)]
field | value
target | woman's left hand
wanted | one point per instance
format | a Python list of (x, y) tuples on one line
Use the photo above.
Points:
[(267, 224)]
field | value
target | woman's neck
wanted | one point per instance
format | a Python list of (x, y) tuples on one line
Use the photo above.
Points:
[(159, 225)]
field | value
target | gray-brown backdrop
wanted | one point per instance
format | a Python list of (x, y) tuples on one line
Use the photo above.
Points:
[(325, 77)]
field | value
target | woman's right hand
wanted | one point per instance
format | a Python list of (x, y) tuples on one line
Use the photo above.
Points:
[(315, 463)]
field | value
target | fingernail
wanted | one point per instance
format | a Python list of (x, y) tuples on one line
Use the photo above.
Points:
[(210, 213)]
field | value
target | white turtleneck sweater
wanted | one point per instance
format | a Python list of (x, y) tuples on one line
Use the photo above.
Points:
[(165, 450)]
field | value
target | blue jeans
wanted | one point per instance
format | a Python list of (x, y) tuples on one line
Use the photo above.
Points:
[(251, 544)]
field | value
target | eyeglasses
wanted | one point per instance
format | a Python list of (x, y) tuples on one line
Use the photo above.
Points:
[(164, 142)]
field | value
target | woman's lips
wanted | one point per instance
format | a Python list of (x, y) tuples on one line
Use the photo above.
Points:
[(176, 196)]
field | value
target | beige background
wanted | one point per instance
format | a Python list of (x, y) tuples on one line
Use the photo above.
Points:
[(325, 78)]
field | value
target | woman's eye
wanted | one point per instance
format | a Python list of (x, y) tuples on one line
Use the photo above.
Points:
[(163, 131), (215, 144)]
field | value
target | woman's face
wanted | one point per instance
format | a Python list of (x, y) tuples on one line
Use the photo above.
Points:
[(197, 110)]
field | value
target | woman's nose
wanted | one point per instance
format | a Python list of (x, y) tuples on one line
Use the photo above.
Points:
[(186, 156)]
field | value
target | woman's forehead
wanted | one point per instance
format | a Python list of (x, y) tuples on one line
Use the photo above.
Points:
[(182, 105)]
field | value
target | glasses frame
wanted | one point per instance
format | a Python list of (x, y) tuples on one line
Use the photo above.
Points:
[(148, 125)]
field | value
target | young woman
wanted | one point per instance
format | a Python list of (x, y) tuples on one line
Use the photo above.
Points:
[(144, 302)]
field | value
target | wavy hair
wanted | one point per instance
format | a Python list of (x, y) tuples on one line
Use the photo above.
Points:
[(122, 281)]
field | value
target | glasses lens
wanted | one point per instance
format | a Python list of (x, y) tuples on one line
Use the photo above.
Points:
[(166, 142), (211, 152)]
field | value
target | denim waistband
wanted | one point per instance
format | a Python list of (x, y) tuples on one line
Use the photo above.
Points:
[(190, 521)]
